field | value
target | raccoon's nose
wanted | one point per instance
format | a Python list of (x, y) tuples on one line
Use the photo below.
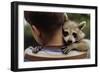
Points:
[(69, 41)]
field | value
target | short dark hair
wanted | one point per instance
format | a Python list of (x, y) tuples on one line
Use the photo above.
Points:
[(48, 22)]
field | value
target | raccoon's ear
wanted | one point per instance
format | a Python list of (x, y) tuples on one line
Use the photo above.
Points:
[(65, 17), (82, 25)]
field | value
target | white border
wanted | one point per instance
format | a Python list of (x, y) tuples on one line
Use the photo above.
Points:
[(22, 64)]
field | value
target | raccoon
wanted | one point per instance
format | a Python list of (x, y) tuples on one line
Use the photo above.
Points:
[(74, 37)]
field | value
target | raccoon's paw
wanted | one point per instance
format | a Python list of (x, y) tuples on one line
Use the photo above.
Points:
[(66, 50), (84, 45), (36, 49)]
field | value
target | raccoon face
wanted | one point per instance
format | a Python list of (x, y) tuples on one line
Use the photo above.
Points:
[(70, 36), (72, 32)]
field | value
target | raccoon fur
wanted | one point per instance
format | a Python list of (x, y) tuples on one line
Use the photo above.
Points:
[(74, 37)]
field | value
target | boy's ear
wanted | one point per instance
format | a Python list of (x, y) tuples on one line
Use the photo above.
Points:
[(82, 25), (35, 30), (36, 34)]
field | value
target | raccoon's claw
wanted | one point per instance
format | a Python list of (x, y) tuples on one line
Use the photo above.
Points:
[(66, 50), (36, 49)]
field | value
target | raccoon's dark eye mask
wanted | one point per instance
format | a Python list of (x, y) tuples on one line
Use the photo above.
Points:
[(65, 33), (74, 34)]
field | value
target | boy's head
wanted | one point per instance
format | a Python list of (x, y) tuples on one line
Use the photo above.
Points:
[(44, 24)]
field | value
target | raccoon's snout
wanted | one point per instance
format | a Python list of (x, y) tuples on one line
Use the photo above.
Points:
[(69, 41)]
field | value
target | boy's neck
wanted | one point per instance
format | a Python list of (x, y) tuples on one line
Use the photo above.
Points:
[(56, 40)]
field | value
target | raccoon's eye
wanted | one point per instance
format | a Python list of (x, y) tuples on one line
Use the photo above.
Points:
[(65, 33), (75, 35)]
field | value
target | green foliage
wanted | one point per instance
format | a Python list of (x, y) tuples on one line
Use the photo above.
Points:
[(28, 39), (27, 30)]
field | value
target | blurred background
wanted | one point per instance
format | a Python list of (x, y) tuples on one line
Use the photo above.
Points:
[(29, 40)]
